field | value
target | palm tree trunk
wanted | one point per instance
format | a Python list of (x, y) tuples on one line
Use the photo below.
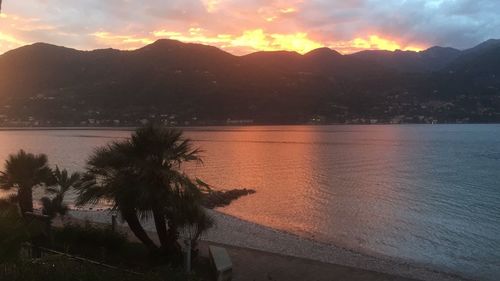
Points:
[(135, 226), (173, 236), (25, 197), (161, 227)]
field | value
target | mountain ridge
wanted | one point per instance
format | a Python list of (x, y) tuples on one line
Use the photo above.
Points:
[(46, 82), (160, 42)]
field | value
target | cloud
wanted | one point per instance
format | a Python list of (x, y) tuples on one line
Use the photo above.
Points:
[(16, 30), (127, 42), (242, 26)]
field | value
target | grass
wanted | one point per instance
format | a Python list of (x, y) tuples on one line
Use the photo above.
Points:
[(104, 245), (60, 268)]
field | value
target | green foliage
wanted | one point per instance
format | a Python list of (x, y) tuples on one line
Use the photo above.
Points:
[(143, 175), (88, 238), (24, 171), (101, 244), (63, 181), (186, 210), (52, 206), (12, 231), (136, 172), (60, 268)]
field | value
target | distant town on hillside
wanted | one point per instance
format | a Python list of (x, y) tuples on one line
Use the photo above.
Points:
[(182, 84)]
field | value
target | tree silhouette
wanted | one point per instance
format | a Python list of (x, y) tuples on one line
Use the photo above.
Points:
[(143, 177), (25, 171), (52, 206)]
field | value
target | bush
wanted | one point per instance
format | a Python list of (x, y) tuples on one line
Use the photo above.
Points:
[(60, 268), (12, 231), (88, 239), (102, 244)]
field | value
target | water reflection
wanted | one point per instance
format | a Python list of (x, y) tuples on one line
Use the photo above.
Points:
[(250, 164)]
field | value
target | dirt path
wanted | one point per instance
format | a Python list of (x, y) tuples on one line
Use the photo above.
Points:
[(253, 265)]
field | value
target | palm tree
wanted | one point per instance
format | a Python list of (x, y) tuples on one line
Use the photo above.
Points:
[(141, 176), (189, 213), (159, 155), (109, 178), (25, 171), (63, 182)]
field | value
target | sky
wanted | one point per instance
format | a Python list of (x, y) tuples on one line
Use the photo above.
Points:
[(244, 26)]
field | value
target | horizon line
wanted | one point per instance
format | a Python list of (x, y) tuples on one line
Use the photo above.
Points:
[(237, 55)]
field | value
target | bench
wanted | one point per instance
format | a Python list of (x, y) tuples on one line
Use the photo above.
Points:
[(221, 262)]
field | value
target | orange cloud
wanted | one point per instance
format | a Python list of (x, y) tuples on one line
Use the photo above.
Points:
[(194, 35), (288, 10), (8, 42), (8, 38), (266, 36), (298, 42), (128, 42), (253, 40), (372, 42), (239, 27), (258, 40), (211, 5), (276, 11), (248, 41), (375, 42)]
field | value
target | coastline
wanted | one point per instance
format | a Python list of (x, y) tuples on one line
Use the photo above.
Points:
[(221, 126), (235, 232)]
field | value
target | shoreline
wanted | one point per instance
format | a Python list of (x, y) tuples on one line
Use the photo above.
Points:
[(370, 256), (207, 127), (235, 232)]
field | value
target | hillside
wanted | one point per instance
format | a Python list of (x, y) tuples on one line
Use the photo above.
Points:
[(181, 83)]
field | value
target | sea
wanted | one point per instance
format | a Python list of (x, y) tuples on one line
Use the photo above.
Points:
[(422, 194)]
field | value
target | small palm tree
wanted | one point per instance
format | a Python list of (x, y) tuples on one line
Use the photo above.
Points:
[(52, 206), (186, 210), (190, 216), (25, 171)]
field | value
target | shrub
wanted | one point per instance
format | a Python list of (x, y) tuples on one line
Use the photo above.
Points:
[(12, 231), (59, 268), (88, 239)]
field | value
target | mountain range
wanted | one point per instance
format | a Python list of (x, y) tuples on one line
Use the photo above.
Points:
[(181, 83)]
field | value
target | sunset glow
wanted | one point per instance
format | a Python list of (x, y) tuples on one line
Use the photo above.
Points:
[(211, 5), (289, 140), (238, 27), (254, 40), (248, 41), (375, 42)]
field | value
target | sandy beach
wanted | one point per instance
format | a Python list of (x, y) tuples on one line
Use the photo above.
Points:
[(241, 234)]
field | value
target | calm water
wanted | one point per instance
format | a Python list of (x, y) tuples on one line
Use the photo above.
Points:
[(426, 194)]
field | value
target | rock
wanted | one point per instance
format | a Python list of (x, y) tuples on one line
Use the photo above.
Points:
[(216, 199)]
